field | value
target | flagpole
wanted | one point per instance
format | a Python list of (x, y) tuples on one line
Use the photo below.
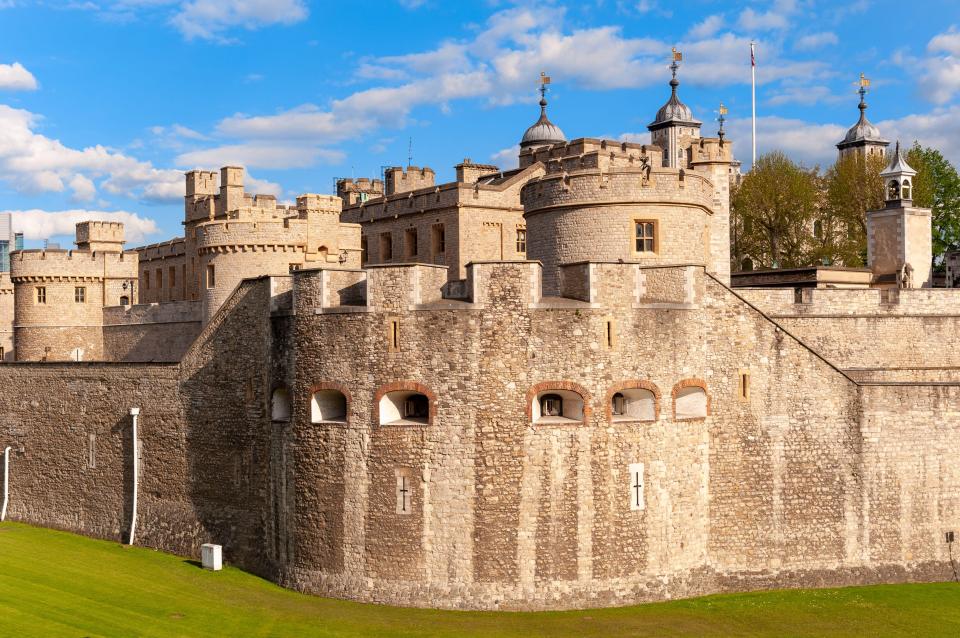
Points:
[(753, 95)]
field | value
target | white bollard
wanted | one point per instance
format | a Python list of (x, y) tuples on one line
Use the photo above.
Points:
[(211, 556)]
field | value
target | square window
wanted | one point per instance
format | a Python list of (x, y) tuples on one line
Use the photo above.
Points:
[(645, 240), (522, 240), (41, 295), (80, 294)]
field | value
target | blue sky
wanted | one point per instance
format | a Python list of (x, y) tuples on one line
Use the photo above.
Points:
[(103, 105)]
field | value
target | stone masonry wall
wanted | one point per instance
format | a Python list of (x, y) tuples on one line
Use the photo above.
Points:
[(767, 490), (6, 317)]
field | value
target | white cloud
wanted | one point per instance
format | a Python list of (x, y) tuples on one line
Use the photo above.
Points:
[(814, 41), (939, 129), (948, 42), (708, 27), (259, 155), (753, 21), (508, 158), (806, 142), (941, 80), (41, 224), (15, 77), (83, 188), (209, 19), (803, 95), (32, 162)]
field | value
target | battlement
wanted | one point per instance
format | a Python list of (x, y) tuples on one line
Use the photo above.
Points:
[(66, 265), (579, 180), (6, 285), (614, 153), (100, 236), (201, 183), (311, 202), (496, 284), (174, 248), (707, 150), (411, 178), (260, 234), (468, 172), (354, 191), (828, 302)]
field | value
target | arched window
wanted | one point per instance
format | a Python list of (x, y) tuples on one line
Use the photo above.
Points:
[(328, 406), (280, 405), (557, 406), (690, 400), (818, 229), (124, 300), (746, 264), (633, 404), (905, 189), (893, 190), (404, 408)]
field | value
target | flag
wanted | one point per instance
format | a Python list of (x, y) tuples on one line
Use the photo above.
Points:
[(753, 60), (723, 109), (864, 81), (544, 78), (677, 56)]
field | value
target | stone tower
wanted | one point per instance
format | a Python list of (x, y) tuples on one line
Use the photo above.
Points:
[(863, 138), (675, 128), (899, 244)]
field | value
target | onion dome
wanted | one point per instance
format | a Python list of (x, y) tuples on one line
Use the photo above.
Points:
[(674, 111), (864, 131), (543, 132)]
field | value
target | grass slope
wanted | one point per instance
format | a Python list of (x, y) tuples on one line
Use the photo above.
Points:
[(58, 584)]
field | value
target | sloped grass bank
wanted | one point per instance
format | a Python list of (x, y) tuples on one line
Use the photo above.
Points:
[(58, 584)]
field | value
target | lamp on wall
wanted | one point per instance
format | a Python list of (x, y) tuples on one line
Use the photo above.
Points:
[(343, 257), (131, 284)]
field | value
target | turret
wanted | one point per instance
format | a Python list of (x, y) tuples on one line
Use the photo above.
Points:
[(100, 237), (543, 132), (899, 242)]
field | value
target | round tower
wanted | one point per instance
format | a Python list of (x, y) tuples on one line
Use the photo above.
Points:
[(59, 296), (613, 201)]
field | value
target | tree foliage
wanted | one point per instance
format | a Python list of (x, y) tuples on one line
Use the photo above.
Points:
[(774, 209), (851, 187), (937, 186)]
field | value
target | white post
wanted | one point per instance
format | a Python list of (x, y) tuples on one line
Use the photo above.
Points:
[(753, 95), (135, 414), (6, 482)]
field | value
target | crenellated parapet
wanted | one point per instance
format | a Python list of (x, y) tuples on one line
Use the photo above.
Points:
[(71, 265)]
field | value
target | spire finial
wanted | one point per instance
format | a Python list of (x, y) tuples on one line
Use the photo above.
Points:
[(674, 65), (543, 81), (864, 83)]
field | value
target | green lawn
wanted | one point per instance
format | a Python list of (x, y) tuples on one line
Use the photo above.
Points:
[(58, 584)]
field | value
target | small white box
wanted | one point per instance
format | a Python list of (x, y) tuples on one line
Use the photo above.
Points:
[(211, 556)]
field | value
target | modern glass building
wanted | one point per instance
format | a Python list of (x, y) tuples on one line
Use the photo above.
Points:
[(8, 242)]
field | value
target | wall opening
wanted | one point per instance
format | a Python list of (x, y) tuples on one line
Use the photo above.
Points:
[(690, 403), (211, 276), (410, 242), (328, 406), (404, 407), (743, 386), (633, 404), (557, 406), (386, 247), (280, 407), (438, 240)]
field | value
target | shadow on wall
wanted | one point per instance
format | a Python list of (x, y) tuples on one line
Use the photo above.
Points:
[(226, 398)]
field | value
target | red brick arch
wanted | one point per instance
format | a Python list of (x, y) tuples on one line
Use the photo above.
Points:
[(689, 383), (633, 384), (405, 386), (559, 385), (328, 385)]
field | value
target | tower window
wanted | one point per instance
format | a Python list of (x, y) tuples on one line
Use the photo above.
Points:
[(146, 280), (211, 276), (522, 240), (905, 189), (363, 250), (818, 229), (173, 276), (41, 295), (410, 242), (438, 239), (386, 247), (80, 294), (159, 278), (645, 236)]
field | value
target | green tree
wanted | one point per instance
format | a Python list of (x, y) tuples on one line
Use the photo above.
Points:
[(773, 211), (851, 187), (937, 187)]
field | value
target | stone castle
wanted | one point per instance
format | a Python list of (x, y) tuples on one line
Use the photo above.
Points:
[(524, 389)]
